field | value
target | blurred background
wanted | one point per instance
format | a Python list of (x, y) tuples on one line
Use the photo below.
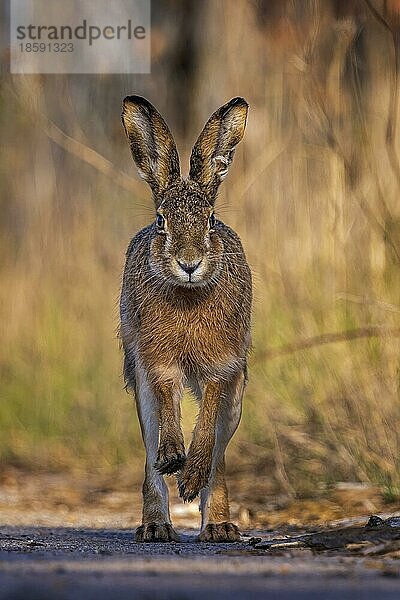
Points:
[(313, 193)]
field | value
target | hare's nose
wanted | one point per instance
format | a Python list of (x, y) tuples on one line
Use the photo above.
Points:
[(189, 267)]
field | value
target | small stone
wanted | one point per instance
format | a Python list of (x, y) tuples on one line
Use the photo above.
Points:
[(375, 521)]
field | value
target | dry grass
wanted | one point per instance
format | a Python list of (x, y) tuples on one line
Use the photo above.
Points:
[(314, 196)]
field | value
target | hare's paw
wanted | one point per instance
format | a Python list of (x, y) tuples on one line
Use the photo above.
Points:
[(170, 457), (220, 532), (191, 480), (156, 532)]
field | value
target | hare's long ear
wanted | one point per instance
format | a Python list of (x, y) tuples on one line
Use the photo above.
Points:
[(152, 145), (213, 152)]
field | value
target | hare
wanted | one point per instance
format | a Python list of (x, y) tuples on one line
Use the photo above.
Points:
[(185, 317)]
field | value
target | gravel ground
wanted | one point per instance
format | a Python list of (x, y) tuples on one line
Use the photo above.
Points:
[(63, 563)]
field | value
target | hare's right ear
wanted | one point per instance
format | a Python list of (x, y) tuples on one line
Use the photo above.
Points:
[(213, 152), (152, 145)]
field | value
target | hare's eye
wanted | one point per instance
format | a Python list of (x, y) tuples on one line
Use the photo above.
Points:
[(160, 221), (211, 221)]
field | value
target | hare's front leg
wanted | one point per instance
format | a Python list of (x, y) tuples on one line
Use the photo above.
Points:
[(214, 505), (196, 472), (171, 450), (156, 522)]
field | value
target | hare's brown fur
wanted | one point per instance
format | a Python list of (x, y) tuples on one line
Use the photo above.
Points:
[(185, 317)]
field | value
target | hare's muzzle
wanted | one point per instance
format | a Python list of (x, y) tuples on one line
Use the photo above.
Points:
[(189, 267), (189, 271)]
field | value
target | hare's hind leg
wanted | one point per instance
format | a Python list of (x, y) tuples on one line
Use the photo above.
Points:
[(214, 504), (156, 522)]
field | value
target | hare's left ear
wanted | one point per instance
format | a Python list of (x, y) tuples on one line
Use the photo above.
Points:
[(213, 152)]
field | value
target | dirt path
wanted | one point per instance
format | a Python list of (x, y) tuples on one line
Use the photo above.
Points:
[(63, 563), (64, 538)]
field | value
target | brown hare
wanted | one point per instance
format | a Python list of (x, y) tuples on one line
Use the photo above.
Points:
[(185, 317)]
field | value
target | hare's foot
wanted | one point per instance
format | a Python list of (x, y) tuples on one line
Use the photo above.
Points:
[(193, 478), (170, 457), (220, 532), (156, 532)]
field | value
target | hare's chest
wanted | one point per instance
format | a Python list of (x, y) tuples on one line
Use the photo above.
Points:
[(196, 341)]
